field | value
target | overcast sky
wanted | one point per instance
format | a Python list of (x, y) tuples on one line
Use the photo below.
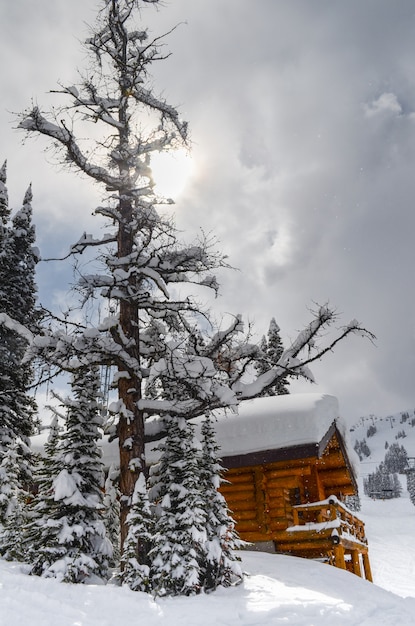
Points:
[(302, 118)]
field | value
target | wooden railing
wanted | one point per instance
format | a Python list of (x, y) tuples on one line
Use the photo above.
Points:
[(328, 531), (329, 514)]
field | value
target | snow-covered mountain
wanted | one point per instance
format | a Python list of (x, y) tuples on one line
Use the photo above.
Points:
[(372, 436)]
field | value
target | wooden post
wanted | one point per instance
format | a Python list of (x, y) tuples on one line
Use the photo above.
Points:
[(356, 563), (366, 567), (295, 517), (339, 557)]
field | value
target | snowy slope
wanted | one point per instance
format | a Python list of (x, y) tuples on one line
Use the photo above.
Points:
[(277, 590), (388, 429)]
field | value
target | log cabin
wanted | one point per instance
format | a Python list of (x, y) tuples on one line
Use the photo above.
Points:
[(289, 467)]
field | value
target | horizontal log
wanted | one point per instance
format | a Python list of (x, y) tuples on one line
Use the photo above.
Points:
[(336, 476), (240, 496), (286, 473), (295, 464), (244, 515), (276, 525), (238, 488), (277, 494), (249, 526), (285, 482), (276, 511), (255, 536), (240, 477)]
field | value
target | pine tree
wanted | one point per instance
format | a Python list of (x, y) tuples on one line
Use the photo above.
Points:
[(396, 459), (180, 534), (220, 565), (112, 514), (272, 350), (18, 259), (37, 542), (135, 561), (11, 496), (410, 484), (75, 546)]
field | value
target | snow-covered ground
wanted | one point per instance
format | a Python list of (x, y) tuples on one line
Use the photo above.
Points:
[(277, 590)]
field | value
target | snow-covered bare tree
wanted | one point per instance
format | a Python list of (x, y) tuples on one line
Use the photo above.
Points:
[(18, 258), (272, 349), (154, 336)]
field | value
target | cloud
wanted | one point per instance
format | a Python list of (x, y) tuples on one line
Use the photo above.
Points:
[(386, 103), (309, 193)]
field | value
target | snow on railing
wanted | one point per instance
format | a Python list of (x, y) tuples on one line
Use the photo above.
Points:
[(325, 515)]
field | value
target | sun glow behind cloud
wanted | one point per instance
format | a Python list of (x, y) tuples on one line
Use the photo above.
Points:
[(171, 171)]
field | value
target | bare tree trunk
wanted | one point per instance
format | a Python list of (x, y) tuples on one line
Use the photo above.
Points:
[(131, 421)]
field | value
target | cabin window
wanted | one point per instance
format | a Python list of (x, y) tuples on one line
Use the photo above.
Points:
[(295, 496)]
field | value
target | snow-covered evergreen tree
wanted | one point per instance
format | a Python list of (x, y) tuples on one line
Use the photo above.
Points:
[(220, 565), (112, 513), (272, 350), (18, 259), (12, 499), (135, 562), (396, 459), (410, 484), (180, 533), (38, 545), (76, 548)]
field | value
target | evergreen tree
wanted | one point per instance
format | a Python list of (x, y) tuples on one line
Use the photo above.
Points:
[(18, 259), (135, 563), (75, 546), (353, 502), (112, 514), (272, 350), (396, 459), (220, 565), (410, 484), (37, 542), (180, 535), (11, 496)]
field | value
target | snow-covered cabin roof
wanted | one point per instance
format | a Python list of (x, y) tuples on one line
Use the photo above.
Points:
[(276, 422), (298, 424)]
